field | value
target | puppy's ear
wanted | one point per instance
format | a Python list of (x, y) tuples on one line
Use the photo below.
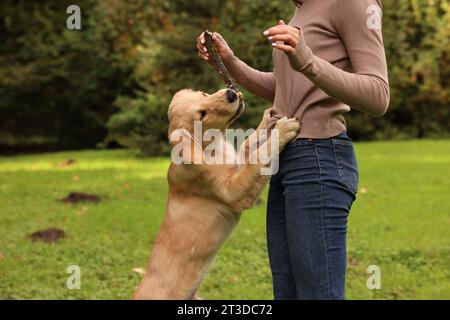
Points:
[(181, 128), (178, 130), (180, 139), (178, 124), (179, 135), (171, 137), (174, 121), (184, 149)]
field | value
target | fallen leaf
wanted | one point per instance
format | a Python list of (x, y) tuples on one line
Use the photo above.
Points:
[(140, 271), (363, 190), (233, 279), (76, 178), (352, 261), (126, 186), (2, 256), (80, 212)]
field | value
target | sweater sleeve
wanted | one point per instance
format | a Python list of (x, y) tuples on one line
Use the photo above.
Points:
[(366, 88), (257, 82)]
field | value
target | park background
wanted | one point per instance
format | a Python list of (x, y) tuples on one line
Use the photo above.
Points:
[(85, 111)]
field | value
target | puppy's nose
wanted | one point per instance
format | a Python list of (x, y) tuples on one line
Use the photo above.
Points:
[(231, 96)]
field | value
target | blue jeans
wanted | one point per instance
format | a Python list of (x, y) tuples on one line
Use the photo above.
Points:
[(308, 205)]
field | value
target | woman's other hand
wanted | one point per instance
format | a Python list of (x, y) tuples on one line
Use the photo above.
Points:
[(222, 46), (283, 37)]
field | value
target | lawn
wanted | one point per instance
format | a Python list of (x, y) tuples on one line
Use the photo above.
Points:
[(400, 222)]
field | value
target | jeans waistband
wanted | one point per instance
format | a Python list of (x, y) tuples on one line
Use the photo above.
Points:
[(341, 138)]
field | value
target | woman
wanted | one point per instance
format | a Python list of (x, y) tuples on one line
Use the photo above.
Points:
[(328, 58)]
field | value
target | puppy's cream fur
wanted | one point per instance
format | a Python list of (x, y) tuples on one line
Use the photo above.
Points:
[(205, 201)]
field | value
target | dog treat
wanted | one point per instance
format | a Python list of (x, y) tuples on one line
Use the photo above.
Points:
[(218, 63)]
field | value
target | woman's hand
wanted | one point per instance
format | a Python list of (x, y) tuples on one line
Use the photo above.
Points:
[(223, 49), (283, 37)]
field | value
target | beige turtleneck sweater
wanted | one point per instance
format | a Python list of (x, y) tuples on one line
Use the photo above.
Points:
[(339, 63)]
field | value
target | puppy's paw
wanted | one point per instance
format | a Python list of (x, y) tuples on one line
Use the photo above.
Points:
[(288, 130), (265, 119)]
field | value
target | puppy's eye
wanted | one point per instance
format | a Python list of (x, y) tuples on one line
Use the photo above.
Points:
[(202, 114), (204, 94)]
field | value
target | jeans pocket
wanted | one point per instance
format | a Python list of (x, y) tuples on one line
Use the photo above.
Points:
[(346, 163)]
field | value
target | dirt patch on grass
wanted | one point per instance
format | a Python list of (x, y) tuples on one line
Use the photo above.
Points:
[(66, 163), (50, 235), (79, 197)]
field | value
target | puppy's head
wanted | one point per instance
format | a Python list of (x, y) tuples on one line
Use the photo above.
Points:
[(215, 111)]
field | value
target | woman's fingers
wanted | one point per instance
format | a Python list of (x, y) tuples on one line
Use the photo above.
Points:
[(201, 38), (219, 42), (281, 28), (284, 37), (283, 47), (203, 56), (287, 38), (202, 51), (222, 47), (201, 47), (216, 39)]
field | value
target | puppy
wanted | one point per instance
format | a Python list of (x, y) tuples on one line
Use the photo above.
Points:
[(205, 201)]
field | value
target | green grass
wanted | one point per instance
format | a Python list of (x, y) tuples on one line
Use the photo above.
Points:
[(401, 222)]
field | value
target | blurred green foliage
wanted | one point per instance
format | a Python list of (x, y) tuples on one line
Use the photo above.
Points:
[(417, 41), (113, 80), (60, 83)]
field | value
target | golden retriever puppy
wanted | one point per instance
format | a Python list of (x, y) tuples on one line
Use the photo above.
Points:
[(206, 198)]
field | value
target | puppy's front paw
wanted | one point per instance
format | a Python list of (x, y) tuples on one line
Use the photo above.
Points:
[(288, 130), (265, 119)]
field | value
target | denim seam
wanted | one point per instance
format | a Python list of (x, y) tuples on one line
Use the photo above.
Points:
[(342, 142), (347, 184), (322, 222)]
